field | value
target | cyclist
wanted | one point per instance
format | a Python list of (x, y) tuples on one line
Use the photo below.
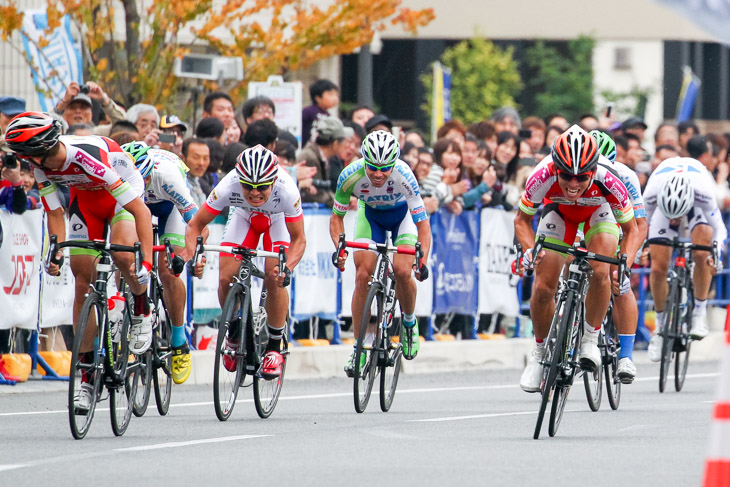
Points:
[(682, 189), (579, 190), (264, 200), (106, 190), (625, 309), (388, 200), (168, 197)]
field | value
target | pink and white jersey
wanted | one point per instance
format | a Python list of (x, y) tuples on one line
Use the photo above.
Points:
[(92, 163), (284, 197), (606, 187)]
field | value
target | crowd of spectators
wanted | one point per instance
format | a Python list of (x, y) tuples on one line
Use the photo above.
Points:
[(471, 164)]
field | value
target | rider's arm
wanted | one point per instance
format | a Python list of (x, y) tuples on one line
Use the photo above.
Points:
[(337, 227), (424, 236), (195, 228), (57, 223), (143, 222), (523, 230), (632, 240), (298, 243)]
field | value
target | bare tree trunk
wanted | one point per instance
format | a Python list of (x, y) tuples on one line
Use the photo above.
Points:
[(131, 18)]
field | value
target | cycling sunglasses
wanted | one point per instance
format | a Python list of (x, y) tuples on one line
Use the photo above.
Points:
[(260, 186), (32, 161), (581, 178), (375, 168)]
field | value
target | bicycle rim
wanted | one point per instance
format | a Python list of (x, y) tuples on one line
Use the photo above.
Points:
[(669, 330), (682, 359), (560, 395), (390, 369), (610, 366), (554, 350), (144, 384), (266, 391), (593, 382), (79, 421), (225, 382), (363, 379), (162, 358), (121, 396)]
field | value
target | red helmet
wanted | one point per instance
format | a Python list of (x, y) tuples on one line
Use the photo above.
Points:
[(32, 133), (575, 151)]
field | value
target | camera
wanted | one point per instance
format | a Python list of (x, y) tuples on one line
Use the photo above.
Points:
[(166, 138), (10, 161), (525, 133), (84, 89)]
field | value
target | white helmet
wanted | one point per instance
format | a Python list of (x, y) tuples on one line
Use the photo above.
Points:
[(380, 148), (677, 196), (257, 165)]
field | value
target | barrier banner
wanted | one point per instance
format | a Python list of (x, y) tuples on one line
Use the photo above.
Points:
[(455, 241), (497, 293), (20, 251), (424, 290), (315, 278)]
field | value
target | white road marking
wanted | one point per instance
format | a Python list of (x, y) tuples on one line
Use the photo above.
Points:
[(178, 444), (4, 468)]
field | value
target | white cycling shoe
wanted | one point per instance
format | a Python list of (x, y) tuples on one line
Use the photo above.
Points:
[(655, 347), (82, 398), (626, 371), (590, 355), (699, 328), (140, 334), (531, 378)]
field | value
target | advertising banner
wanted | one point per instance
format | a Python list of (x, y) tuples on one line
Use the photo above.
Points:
[(497, 293)]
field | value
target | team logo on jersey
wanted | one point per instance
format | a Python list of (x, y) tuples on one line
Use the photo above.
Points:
[(298, 203), (389, 190), (214, 195), (390, 182)]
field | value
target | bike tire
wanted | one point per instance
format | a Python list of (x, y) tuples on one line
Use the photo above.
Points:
[(560, 396), (122, 394), (92, 312), (144, 383), (610, 364), (225, 382), (266, 391), (681, 361), (162, 357), (669, 332), (363, 380), (593, 381), (390, 368), (554, 345)]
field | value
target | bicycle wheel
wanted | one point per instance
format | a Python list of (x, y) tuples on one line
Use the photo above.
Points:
[(610, 364), (162, 357), (682, 345), (266, 391), (593, 381), (364, 379), (123, 386), (571, 342), (232, 327), (144, 383), (669, 332), (390, 368), (92, 312), (553, 355)]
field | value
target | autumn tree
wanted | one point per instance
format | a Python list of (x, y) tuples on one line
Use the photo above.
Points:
[(271, 36)]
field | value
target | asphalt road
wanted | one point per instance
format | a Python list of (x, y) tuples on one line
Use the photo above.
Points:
[(470, 428)]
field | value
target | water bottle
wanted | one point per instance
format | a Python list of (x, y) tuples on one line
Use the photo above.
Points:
[(116, 313)]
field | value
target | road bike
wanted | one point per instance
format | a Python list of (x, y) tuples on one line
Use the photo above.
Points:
[(375, 340), (111, 365), (240, 323), (156, 363), (676, 341), (562, 345)]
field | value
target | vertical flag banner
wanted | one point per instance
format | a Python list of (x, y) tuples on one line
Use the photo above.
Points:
[(441, 106), (687, 95), (54, 65)]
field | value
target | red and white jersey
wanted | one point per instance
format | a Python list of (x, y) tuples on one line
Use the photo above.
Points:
[(284, 197), (606, 187), (92, 163)]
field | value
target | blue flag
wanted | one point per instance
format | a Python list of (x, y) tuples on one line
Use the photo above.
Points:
[(687, 95)]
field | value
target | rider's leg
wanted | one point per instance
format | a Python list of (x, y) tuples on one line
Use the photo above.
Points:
[(175, 297), (364, 267), (702, 279), (660, 256), (277, 305), (228, 266), (542, 303), (599, 292), (82, 267), (626, 315), (405, 285)]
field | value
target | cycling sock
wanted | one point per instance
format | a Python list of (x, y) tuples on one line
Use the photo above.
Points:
[(587, 328), (627, 346), (540, 343), (275, 335), (178, 335), (409, 319), (369, 339), (659, 322), (700, 307), (141, 306)]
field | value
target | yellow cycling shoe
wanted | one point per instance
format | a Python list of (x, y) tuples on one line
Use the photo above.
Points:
[(181, 363)]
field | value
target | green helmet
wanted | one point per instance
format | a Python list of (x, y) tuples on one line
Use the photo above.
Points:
[(606, 145), (138, 150)]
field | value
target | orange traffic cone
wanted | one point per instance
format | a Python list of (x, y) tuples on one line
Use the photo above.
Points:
[(717, 466)]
